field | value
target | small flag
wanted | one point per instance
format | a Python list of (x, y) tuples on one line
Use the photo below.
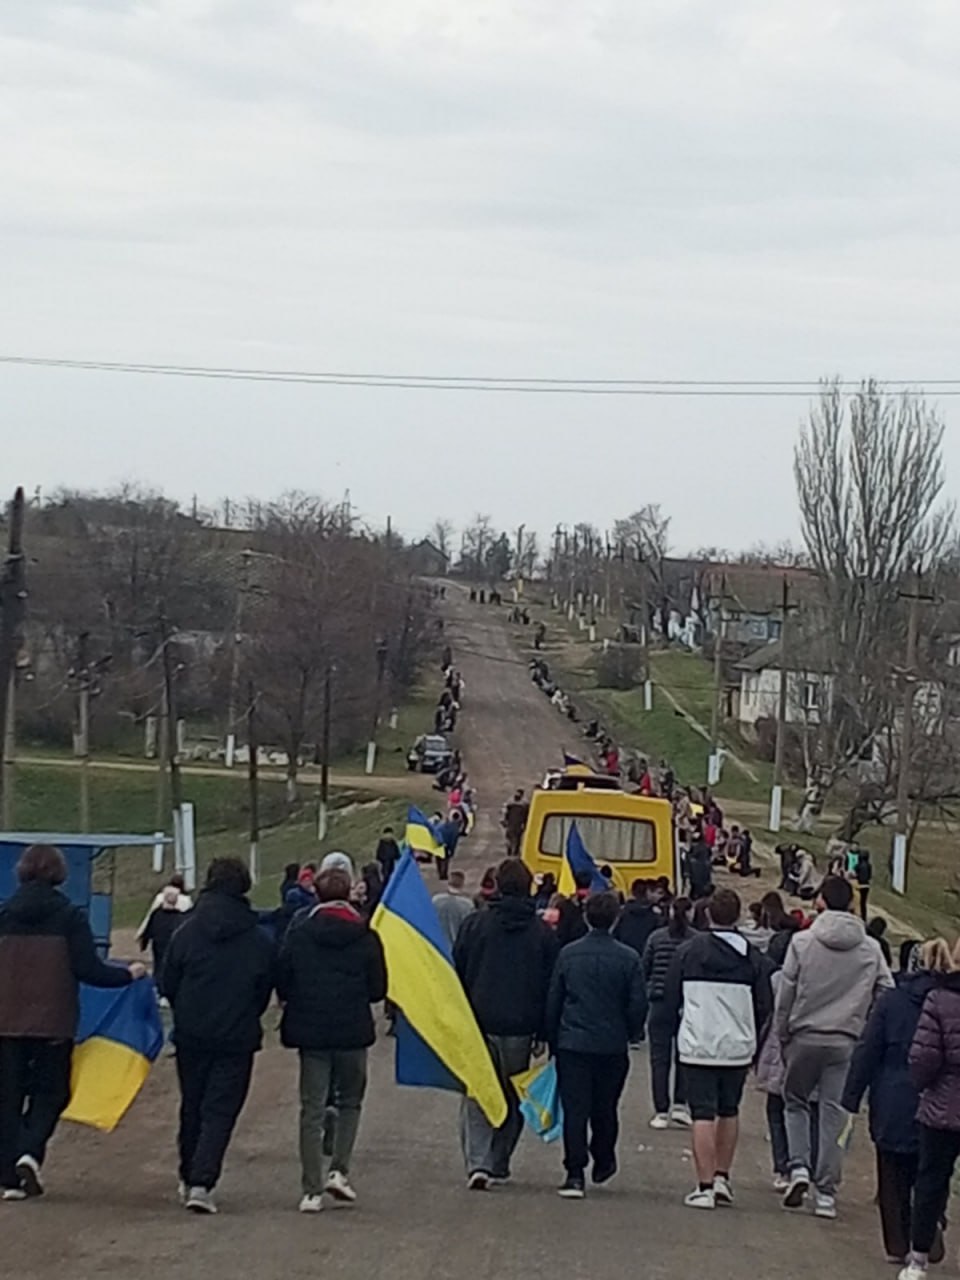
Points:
[(119, 1035), (539, 1094), (422, 835), (577, 860), (439, 1044), (571, 760)]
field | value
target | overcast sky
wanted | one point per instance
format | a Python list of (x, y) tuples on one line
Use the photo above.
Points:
[(553, 188)]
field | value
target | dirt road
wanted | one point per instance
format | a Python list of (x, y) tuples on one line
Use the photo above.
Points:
[(111, 1210)]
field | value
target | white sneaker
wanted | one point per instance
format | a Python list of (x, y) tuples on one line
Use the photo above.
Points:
[(701, 1199), (13, 1193), (825, 1206), (682, 1117), (200, 1200), (478, 1181), (797, 1188), (780, 1182), (722, 1191), (339, 1188), (660, 1121), (311, 1204), (913, 1271), (28, 1171)]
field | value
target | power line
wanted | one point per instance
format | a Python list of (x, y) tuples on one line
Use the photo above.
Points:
[(720, 388)]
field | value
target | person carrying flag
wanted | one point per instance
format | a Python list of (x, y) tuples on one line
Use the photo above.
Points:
[(46, 951), (595, 1009), (504, 956)]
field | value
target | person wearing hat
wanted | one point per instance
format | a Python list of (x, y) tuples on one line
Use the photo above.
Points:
[(162, 924)]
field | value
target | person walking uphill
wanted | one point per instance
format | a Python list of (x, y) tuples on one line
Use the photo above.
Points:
[(935, 1071), (831, 976), (881, 1064), (504, 956), (46, 950), (658, 956), (331, 971), (218, 975), (718, 994), (595, 1009)]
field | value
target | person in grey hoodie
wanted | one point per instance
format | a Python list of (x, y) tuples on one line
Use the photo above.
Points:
[(831, 976)]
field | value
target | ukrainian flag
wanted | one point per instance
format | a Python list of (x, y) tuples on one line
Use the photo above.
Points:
[(438, 1041), (119, 1035), (422, 835), (577, 859)]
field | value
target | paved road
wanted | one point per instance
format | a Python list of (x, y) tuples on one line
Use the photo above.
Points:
[(111, 1211)]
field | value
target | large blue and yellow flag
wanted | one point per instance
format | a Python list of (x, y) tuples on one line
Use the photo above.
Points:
[(577, 859), (438, 1041), (421, 834), (119, 1035)]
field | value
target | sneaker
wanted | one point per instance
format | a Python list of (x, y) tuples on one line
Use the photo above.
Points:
[(339, 1188), (797, 1189), (573, 1189), (702, 1198), (780, 1182), (500, 1179), (660, 1121), (13, 1193), (28, 1171), (722, 1191), (200, 1200), (825, 1206), (182, 1191), (682, 1117), (311, 1204), (478, 1181), (894, 1261), (913, 1271), (604, 1173)]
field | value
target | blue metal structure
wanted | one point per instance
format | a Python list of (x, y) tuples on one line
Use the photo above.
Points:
[(80, 851)]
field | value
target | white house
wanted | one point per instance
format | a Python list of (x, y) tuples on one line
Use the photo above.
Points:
[(809, 687)]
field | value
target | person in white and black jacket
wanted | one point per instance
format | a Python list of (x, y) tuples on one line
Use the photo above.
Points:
[(718, 993)]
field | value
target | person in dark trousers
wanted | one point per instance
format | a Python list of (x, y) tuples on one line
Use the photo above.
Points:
[(863, 876), (658, 955), (514, 823), (718, 994), (935, 1072), (46, 951), (163, 923), (449, 834), (388, 853), (505, 956), (639, 918), (880, 1065), (595, 1009), (699, 868), (331, 971), (218, 975)]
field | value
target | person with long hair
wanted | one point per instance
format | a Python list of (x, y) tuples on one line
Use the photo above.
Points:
[(935, 1072), (880, 1066), (658, 954), (781, 925)]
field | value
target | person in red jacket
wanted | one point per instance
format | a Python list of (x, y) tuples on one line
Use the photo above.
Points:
[(46, 951), (935, 1071)]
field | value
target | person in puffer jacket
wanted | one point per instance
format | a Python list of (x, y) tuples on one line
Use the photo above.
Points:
[(662, 946), (935, 1072)]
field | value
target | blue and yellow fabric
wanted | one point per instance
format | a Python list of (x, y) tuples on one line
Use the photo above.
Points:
[(119, 1035), (576, 860), (539, 1094), (439, 1044), (421, 834)]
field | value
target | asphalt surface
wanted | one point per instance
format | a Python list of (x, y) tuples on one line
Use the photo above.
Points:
[(111, 1208)]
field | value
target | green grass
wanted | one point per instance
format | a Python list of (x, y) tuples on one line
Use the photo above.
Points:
[(414, 716)]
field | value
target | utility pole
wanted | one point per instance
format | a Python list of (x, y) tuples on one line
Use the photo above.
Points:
[(382, 654), (518, 576), (900, 867), (172, 752), (776, 795), (82, 747), (555, 563), (13, 599), (231, 741), (253, 782), (323, 813), (713, 768), (645, 630)]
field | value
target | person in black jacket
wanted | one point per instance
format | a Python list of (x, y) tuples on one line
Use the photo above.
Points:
[(594, 1010), (880, 1064), (504, 956), (162, 923), (218, 975), (331, 971), (46, 951), (718, 994), (657, 958), (638, 919), (388, 854)]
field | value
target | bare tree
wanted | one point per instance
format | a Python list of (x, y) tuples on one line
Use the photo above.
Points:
[(869, 473), (441, 535)]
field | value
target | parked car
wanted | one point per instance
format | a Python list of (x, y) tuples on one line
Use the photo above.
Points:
[(429, 754)]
